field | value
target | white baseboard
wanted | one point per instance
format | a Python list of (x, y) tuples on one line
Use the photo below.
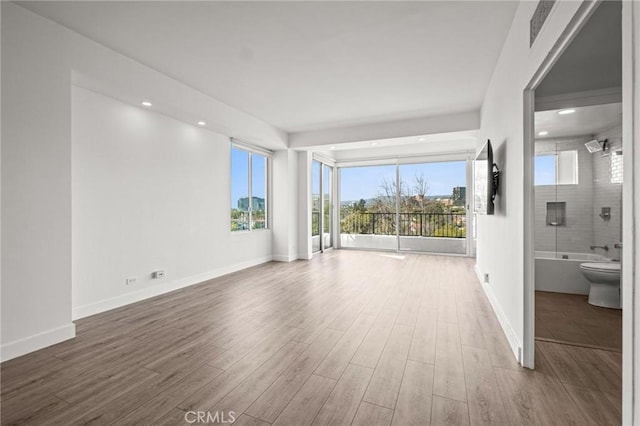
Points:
[(283, 258), (305, 256), (160, 288), (512, 338), (37, 341)]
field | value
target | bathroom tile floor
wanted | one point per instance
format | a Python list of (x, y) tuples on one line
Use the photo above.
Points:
[(569, 318)]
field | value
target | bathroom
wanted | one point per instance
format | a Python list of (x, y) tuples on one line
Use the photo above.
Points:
[(578, 225)]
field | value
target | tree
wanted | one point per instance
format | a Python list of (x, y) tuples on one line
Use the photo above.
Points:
[(421, 189)]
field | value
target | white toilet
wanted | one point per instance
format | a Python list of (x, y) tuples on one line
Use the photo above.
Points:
[(605, 283)]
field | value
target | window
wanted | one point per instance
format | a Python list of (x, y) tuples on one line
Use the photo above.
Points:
[(616, 167), (559, 168), (249, 183)]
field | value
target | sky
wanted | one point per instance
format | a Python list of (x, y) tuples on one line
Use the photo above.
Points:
[(545, 170), (364, 182), (240, 175), (356, 182)]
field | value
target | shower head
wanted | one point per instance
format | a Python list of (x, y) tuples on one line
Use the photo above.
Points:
[(593, 146)]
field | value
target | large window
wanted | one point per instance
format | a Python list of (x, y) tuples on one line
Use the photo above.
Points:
[(411, 207), (249, 184)]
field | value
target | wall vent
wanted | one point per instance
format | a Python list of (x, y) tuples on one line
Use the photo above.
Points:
[(539, 17)]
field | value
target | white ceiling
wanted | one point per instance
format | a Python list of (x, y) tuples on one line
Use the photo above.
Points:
[(309, 65), (585, 121), (433, 144)]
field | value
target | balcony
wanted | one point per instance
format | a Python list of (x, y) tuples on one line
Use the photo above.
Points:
[(430, 232)]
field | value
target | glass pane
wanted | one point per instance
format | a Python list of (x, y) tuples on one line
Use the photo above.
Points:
[(433, 216), (567, 167), (326, 205), (368, 207), (239, 190), (315, 206), (258, 191), (545, 170)]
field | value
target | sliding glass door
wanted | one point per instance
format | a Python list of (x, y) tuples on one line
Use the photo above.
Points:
[(412, 207), (368, 207), (327, 210), (433, 214), (321, 206)]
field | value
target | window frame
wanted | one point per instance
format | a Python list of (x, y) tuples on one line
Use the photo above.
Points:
[(251, 151)]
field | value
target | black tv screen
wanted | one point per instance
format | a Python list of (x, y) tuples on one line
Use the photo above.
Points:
[(483, 181)]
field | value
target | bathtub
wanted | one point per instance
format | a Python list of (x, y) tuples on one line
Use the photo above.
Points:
[(559, 272)]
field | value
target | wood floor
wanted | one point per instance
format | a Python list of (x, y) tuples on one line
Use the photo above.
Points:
[(570, 318), (350, 337)]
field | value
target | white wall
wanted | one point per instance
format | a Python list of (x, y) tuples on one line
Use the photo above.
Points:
[(284, 202), (39, 59), (148, 192), (36, 187), (500, 238), (304, 204)]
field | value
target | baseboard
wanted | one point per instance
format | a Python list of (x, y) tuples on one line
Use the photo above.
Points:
[(305, 256), (37, 341), (283, 258), (160, 288), (512, 338)]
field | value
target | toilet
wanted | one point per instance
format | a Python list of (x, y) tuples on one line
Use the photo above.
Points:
[(605, 283)]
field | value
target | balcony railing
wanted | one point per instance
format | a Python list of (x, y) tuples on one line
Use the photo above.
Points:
[(240, 221), (443, 225)]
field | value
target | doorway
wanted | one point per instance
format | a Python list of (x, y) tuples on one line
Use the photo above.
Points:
[(574, 141)]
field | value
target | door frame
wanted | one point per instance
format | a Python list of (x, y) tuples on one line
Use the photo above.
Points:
[(325, 162), (631, 189)]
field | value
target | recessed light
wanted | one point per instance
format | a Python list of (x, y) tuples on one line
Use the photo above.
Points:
[(420, 139), (332, 148), (146, 103), (543, 133), (566, 111), (374, 143), (202, 123)]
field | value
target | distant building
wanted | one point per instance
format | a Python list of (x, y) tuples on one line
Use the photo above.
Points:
[(459, 195), (257, 204)]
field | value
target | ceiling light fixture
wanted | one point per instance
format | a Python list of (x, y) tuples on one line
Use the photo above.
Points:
[(566, 111), (202, 123), (332, 148), (374, 143), (420, 139), (543, 133), (146, 103)]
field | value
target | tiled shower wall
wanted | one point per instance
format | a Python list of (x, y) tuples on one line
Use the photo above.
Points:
[(577, 235), (595, 190), (607, 194)]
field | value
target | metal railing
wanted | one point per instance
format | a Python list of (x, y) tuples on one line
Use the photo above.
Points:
[(315, 223), (443, 225), (241, 222)]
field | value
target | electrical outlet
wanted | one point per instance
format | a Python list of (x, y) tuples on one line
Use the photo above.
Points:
[(130, 281), (158, 274), (486, 278)]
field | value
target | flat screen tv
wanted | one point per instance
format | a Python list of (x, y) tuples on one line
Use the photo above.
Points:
[(486, 178)]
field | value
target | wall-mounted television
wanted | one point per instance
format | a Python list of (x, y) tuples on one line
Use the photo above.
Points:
[(486, 180)]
